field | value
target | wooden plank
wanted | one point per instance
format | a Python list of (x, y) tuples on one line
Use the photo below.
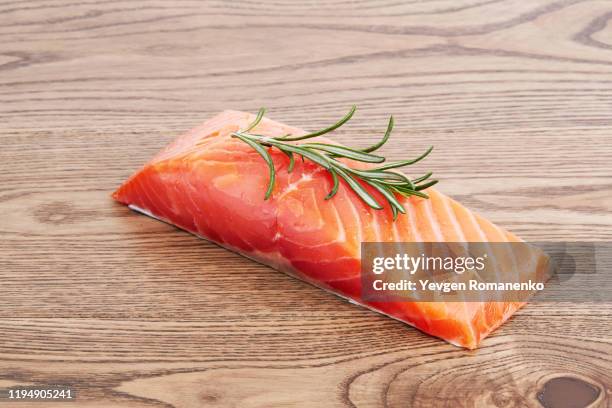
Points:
[(515, 96)]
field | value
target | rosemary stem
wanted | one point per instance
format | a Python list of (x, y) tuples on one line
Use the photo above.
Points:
[(383, 178)]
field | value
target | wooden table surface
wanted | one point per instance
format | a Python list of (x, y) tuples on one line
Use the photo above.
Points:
[(516, 96)]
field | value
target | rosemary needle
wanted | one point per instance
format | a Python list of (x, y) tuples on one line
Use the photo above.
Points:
[(382, 178)]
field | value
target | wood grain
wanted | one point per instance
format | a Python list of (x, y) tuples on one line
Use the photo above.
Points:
[(515, 95)]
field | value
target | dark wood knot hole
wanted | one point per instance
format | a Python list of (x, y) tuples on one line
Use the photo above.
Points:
[(568, 392)]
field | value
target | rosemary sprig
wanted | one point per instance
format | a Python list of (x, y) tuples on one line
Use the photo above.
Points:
[(382, 178)]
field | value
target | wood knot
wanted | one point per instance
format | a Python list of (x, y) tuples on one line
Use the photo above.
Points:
[(210, 397), (507, 398), (569, 392)]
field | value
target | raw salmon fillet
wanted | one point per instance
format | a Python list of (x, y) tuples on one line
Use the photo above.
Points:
[(213, 185)]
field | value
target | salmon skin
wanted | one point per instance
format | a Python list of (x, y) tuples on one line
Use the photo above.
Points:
[(213, 185)]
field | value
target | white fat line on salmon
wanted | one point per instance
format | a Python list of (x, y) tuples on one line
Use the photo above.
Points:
[(293, 185), (356, 216), (190, 189), (461, 236), (452, 217), (433, 221), (483, 238), (341, 228), (416, 234), (410, 213)]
